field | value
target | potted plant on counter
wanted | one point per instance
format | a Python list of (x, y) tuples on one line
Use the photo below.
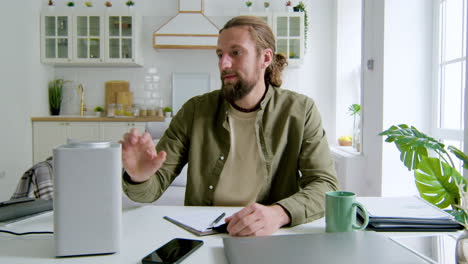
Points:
[(98, 110), (167, 111), (55, 95)]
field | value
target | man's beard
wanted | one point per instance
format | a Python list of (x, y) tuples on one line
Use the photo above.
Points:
[(238, 90)]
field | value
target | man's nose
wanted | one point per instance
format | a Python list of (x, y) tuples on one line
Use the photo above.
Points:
[(225, 62)]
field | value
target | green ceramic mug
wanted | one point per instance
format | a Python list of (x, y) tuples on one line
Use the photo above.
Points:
[(341, 213)]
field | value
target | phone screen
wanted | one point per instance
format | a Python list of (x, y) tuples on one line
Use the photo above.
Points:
[(173, 251)]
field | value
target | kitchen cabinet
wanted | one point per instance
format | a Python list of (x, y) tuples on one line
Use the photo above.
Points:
[(48, 135), (91, 39), (56, 38), (288, 28), (114, 131)]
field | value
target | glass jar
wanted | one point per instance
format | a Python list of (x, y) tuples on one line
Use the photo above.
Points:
[(119, 111), (111, 110), (136, 110), (143, 111)]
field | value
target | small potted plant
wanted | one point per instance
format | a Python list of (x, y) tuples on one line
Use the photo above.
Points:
[(288, 5), (167, 111), (88, 4), (98, 110), (266, 5), (130, 3), (50, 3), (108, 4), (71, 4), (248, 4), (55, 95)]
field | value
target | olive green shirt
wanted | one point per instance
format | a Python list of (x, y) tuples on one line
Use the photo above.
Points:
[(292, 144)]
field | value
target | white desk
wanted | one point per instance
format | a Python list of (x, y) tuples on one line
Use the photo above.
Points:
[(144, 230)]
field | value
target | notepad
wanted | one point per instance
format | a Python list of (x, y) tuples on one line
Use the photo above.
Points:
[(401, 214), (402, 207), (196, 223)]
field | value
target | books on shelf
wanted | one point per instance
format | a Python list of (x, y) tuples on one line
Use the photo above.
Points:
[(411, 214)]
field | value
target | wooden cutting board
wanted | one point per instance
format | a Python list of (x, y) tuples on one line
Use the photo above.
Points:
[(126, 100), (112, 89)]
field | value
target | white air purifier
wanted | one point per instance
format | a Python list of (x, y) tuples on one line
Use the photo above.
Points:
[(87, 198)]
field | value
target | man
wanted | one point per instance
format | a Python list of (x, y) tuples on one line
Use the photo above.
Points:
[(249, 144)]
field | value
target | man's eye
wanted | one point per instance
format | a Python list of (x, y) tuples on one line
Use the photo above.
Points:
[(236, 53), (219, 55)]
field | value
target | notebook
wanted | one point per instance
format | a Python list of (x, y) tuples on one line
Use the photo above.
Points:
[(198, 223), (363, 247), (400, 214)]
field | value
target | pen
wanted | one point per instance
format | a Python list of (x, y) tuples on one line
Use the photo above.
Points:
[(221, 228), (217, 219)]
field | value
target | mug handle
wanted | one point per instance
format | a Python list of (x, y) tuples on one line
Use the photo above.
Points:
[(366, 216)]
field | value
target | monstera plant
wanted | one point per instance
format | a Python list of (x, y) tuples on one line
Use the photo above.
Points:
[(437, 179)]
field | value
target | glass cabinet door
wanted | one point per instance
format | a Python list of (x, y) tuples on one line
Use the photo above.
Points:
[(289, 36), (56, 39), (121, 33), (88, 37)]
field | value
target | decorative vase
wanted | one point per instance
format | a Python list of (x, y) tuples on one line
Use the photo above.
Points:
[(357, 133), (54, 111), (461, 248)]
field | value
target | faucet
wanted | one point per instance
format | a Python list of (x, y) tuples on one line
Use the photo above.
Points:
[(82, 105)]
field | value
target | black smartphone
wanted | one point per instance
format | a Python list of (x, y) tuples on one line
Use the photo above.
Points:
[(173, 252)]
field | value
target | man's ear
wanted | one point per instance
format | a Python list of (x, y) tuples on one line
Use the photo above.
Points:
[(267, 57)]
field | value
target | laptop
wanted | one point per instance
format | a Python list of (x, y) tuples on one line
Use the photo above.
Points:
[(18, 209), (325, 248)]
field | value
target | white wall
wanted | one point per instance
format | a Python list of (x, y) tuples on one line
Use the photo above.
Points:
[(23, 89), (348, 63), (407, 82), (24, 78), (314, 78)]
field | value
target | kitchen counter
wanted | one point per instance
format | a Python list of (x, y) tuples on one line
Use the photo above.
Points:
[(98, 119)]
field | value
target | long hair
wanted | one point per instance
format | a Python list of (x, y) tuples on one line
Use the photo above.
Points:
[(263, 36)]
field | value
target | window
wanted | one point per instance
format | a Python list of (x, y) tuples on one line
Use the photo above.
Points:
[(449, 100)]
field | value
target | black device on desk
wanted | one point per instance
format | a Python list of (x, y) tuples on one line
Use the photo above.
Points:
[(173, 252), (19, 208)]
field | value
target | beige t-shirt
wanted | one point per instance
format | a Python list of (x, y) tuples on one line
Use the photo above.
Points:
[(241, 179)]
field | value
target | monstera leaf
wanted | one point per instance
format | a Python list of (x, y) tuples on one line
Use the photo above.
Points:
[(459, 154), (412, 144), (437, 182)]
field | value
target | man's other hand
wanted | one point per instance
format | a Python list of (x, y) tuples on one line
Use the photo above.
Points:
[(257, 220), (139, 156)]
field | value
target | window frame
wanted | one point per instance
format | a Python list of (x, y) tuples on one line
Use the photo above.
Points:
[(438, 63)]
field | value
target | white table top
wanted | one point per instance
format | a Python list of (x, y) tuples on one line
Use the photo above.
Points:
[(144, 230)]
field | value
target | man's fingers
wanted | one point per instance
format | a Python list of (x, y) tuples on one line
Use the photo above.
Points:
[(242, 219), (160, 158), (251, 229)]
